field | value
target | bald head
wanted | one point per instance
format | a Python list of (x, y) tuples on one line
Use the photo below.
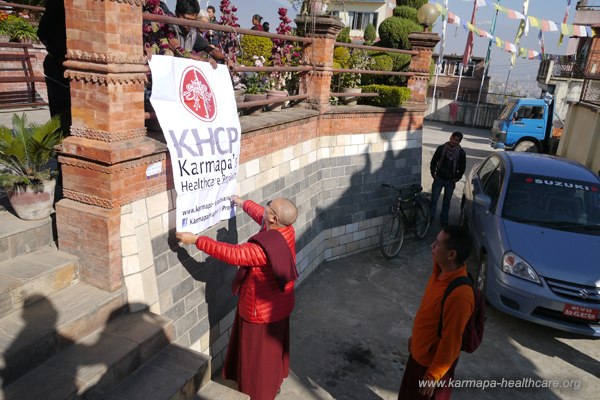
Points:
[(286, 210)]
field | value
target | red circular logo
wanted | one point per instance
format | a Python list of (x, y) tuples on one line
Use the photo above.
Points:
[(196, 94)]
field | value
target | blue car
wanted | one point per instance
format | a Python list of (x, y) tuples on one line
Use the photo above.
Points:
[(535, 222)]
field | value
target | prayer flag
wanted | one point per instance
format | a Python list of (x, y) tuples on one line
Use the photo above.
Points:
[(523, 28), (560, 39), (469, 45)]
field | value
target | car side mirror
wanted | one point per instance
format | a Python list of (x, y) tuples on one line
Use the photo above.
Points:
[(483, 201)]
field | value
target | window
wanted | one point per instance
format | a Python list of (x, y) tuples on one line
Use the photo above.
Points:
[(469, 71), (360, 20), (490, 178), (530, 112)]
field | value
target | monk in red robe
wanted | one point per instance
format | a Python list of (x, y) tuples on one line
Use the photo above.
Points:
[(258, 352)]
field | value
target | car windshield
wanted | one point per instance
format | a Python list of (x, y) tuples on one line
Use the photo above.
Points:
[(508, 109), (552, 202)]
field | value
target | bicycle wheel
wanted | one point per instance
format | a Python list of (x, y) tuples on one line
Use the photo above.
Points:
[(391, 236), (422, 218)]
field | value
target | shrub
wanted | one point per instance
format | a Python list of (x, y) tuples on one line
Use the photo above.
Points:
[(254, 46), (380, 62), (344, 35), (406, 12), (370, 35), (341, 56), (394, 32), (389, 96), (416, 4)]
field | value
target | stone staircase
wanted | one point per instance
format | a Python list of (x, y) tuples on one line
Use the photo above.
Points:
[(63, 339)]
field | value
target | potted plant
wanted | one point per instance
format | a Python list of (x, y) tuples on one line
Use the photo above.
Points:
[(281, 55), (25, 151), (350, 82), (256, 86)]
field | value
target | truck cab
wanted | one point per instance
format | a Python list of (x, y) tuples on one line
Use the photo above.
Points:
[(524, 125)]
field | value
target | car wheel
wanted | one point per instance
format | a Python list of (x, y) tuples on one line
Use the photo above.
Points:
[(482, 273), (527, 146)]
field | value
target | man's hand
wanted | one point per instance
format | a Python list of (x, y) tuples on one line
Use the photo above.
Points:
[(428, 387), (186, 237), (237, 200)]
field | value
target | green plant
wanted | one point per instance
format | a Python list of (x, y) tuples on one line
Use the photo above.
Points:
[(341, 56), (381, 61), (344, 35), (21, 29), (416, 4), (255, 83), (389, 96), (394, 32), (254, 46), (25, 151), (359, 59), (370, 34), (406, 12)]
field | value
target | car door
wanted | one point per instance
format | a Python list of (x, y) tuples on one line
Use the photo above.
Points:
[(488, 184)]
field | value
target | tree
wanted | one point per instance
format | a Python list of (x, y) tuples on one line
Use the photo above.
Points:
[(369, 34)]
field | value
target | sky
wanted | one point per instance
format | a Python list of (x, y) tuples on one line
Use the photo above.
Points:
[(506, 28)]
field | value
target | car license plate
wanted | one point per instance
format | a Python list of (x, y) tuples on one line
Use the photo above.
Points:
[(581, 312)]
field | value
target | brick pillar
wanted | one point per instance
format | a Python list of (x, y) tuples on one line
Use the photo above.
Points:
[(423, 43), (104, 160), (318, 54)]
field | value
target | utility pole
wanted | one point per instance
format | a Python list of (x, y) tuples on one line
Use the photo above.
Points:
[(486, 64)]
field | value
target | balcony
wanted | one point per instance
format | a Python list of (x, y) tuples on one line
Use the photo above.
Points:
[(560, 69)]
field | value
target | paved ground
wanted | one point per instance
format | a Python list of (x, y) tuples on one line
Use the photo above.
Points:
[(354, 316)]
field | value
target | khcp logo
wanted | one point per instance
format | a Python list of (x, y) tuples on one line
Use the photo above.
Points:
[(197, 95)]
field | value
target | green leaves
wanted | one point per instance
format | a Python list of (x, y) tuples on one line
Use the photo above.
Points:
[(25, 151)]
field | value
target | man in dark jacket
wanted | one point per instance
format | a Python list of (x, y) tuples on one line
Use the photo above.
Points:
[(447, 167)]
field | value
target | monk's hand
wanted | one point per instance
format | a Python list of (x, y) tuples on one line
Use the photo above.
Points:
[(186, 237), (237, 200)]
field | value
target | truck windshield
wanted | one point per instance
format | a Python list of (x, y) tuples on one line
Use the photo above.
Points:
[(555, 203), (508, 109)]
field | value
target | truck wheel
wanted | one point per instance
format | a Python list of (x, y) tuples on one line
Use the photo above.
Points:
[(527, 146)]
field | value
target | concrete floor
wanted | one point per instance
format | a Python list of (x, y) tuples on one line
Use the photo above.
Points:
[(354, 316)]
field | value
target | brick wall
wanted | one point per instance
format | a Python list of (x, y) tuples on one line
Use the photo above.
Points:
[(331, 166)]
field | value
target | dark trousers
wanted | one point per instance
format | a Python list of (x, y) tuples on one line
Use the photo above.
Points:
[(413, 373), (59, 92), (436, 190)]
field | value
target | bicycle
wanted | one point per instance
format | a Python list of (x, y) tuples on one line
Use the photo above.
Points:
[(412, 212)]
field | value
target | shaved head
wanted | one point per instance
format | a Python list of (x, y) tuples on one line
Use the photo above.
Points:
[(285, 209)]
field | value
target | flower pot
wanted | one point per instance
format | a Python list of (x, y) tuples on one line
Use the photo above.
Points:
[(254, 97), (4, 38), (350, 101), (275, 95), (32, 205)]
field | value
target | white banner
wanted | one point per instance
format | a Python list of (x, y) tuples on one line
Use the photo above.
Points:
[(195, 107)]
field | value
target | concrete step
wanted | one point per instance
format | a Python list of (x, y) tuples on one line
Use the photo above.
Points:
[(215, 391), (174, 373), (98, 362), (48, 324), (19, 237), (44, 272)]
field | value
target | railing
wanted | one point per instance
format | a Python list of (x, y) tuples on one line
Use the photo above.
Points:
[(147, 17), (561, 69), (590, 93), (588, 5)]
